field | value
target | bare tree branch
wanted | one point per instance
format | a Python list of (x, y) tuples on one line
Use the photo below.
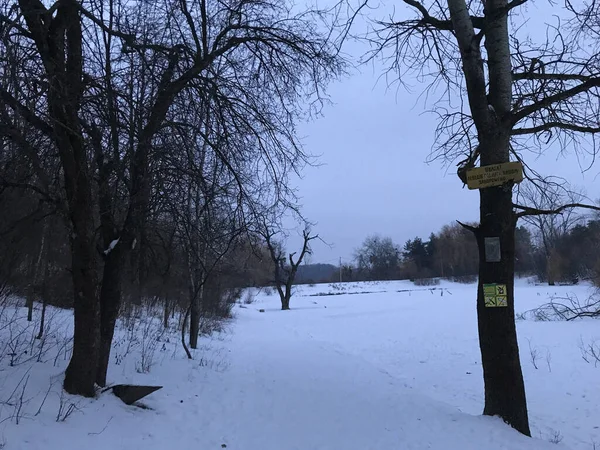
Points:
[(529, 211)]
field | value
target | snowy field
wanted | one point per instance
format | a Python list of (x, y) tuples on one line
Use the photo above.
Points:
[(351, 367)]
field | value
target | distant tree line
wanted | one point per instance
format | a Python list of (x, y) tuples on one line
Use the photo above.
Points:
[(555, 252)]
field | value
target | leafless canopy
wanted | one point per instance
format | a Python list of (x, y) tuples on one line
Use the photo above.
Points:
[(556, 75)]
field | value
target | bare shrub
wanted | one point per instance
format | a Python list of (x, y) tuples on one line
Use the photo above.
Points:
[(123, 345), (520, 316), (549, 360), (66, 407), (20, 340), (565, 308), (269, 291), (65, 346), (211, 324), (16, 399), (590, 352), (465, 279), (534, 355), (44, 399), (249, 297), (426, 281), (151, 337), (555, 437)]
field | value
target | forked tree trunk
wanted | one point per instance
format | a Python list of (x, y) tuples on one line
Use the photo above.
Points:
[(490, 104), (58, 37)]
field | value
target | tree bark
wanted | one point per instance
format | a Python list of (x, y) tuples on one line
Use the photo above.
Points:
[(503, 379), (285, 302), (502, 375), (34, 274), (552, 267), (30, 290), (166, 312), (183, 324), (194, 322), (81, 371), (110, 303), (44, 300), (59, 40)]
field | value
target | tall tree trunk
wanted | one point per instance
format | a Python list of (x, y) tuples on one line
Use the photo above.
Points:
[(503, 378), (285, 299), (195, 316), (183, 324), (110, 302), (502, 375), (81, 371), (30, 291), (44, 299), (166, 312), (491, 111), (34, 275), (59, 40), (29, 299), (552, 267), (80, 375), (194, 321)]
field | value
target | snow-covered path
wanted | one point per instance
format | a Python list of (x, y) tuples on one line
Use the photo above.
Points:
[(284, 391)]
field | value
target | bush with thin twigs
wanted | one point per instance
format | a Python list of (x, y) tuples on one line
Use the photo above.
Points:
[(66, 407), (549, 360), (565, 308), (124, 343), (20, 341), (16, 400), (426, 281), (249, 297), (590, 352), (139, 338), (555, 437), (151, 336), (269, 291), (464, 279), (534, 355)]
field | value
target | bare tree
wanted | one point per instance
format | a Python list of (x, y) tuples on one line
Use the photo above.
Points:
[(550, 195), (514, 95), (103, 84), (378, 258), (286, 267)]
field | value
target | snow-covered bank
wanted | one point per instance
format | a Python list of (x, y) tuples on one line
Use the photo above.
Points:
[(396, 367)]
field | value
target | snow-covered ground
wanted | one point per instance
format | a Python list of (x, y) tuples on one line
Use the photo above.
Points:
[(375, 366)]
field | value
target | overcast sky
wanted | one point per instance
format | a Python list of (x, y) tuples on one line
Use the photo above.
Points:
[(373, 143)]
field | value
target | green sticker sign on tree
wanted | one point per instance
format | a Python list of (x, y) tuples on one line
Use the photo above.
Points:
[(495, 295)]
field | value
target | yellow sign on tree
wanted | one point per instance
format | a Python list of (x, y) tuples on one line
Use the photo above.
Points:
[(494, 175), (495, 295)]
